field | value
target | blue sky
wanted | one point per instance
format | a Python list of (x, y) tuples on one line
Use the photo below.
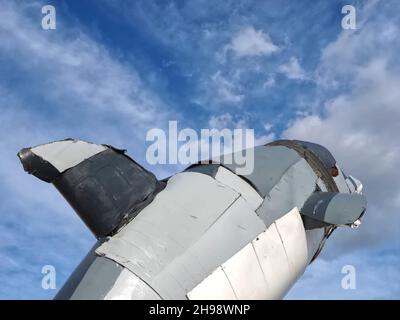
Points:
[(113, 70)]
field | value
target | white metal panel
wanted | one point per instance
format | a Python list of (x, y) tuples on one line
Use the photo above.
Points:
[(130, 287), (155, 244), (235, 228), (215, 287), (291, 230), (195, 225), (245, 274), (164, 248), (186, 208), (233, 181), (267, 267), (67, 153), (142, 259), (272, 257)]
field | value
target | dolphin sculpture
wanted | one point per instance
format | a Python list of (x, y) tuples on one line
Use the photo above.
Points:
[(204, 233)]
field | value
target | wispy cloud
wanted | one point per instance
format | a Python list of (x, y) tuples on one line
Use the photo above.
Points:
[(53, 86), (218, 65), (293, 70), (358, 122), (249, 42), (226, 90), (74, 73), (323, 278)]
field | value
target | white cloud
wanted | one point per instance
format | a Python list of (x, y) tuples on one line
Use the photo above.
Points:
[(376, 277), (361, 129), (360, 124), (251, 42), (225, 121), (226, 90), (264, 139), (270, 82), (268, 126), (343, 58), (75, 72), (87, 94), (293, 70), (70, 86)]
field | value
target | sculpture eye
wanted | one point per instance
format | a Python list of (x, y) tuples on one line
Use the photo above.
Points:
[(334, 171)]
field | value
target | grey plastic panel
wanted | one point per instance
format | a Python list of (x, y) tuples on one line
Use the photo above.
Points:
[(335, 208)]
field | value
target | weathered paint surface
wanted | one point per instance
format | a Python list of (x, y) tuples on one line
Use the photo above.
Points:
[(208, 233)]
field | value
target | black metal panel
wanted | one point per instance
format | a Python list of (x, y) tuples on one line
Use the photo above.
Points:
[(35, 165), (107, 190)]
